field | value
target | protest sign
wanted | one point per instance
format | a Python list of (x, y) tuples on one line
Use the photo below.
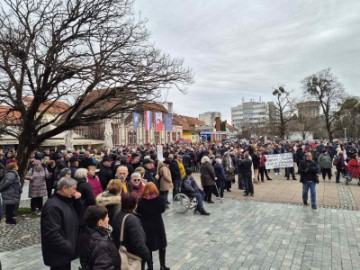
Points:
[(279, 161), (159, 152)]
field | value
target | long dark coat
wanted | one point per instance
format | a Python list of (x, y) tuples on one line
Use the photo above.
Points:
[(152, 222), (134, 235), (207, 174), (60, 230), (10, 188)]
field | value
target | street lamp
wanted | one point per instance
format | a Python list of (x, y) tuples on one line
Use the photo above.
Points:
[(345, 132)]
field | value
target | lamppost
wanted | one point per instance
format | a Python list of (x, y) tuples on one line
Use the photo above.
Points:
[(345, 132)]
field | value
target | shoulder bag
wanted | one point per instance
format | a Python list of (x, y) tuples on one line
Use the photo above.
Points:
[(129, 261)]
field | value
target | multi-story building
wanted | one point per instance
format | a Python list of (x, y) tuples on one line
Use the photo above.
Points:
[(209, 117), (250, 114)]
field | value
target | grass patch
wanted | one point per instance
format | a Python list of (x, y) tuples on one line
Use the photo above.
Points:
[(23, 211)]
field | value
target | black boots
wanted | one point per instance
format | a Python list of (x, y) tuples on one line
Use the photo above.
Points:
[(162, 253), (150, 263), (201, 211)]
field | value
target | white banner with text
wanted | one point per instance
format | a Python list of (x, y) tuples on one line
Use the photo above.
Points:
[(279, 161)]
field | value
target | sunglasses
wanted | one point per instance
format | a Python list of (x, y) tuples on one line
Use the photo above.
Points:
[(137, 180)]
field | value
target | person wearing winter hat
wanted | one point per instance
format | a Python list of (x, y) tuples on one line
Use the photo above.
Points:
[(10, 190), (37, 176)]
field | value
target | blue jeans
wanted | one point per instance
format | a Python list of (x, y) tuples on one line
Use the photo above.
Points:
[(312, 187)]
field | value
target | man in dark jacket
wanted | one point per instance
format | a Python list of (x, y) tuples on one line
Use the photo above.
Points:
[(105, 173), (60, 226), (175, 173), (245, 170), (148, 165), (308, 171), (189, 186), (87, 160)]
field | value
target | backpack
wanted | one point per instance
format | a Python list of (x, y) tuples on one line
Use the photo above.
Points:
[(336, 160)]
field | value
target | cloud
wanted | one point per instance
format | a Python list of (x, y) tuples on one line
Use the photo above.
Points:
[(245, 48)]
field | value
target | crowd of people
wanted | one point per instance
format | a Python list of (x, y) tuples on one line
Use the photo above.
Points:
[(93, 196)]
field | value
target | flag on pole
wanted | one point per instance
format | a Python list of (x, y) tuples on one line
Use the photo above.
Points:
[(159, 126), (168, 121), (136, 120), (148, 120)]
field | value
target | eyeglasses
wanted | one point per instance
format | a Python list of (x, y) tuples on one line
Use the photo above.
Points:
[(136, 180)]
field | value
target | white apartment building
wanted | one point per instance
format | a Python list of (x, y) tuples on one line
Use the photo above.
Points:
[(209, 117), (250, 113)]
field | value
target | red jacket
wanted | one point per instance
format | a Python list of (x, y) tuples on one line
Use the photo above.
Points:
[(354, 168)]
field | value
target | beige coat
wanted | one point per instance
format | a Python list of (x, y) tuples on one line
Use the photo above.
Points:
[(165, 178)]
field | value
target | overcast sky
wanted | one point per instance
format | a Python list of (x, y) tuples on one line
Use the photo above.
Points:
[(242, 49)]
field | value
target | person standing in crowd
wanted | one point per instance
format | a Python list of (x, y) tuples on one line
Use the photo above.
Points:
[(150, 208), (94, 180), (299, 157), (262, 167), (37, 187), (289, 171), (165, 180), (134, 235), (220, 178), (190, 186), (339, 163), (175, 173), (96, 247), (105, 172), (87, 161), (208, 178), (309, 178), (51, 167), (122, 174), (245, 166), (229, 168), (179, 160), (136, 184), (74, 165), (325, 163), (10, 190), (87, 196), (256, 165), (60, 226), (111, 198), (149, 172)]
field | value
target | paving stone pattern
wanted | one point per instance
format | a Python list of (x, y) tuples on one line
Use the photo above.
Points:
[(246, 235)]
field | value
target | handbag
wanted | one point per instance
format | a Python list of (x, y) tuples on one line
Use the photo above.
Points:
[(129, 261)]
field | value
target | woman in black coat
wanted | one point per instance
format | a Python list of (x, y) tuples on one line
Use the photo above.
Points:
[(87, 196), (134, 235), (96, 248), (150, 208)]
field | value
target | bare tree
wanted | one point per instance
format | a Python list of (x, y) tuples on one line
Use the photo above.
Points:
[(92, 53), (283, 109), (325, 88)]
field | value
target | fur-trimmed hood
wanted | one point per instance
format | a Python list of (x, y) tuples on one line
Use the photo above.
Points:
[(106, 199)]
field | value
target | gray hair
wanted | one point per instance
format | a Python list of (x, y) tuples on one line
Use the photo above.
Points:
[(65, 182), (205, 159), (81, 173), (135, 175)]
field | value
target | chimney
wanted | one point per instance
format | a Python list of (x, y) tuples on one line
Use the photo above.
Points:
[(217, 123)]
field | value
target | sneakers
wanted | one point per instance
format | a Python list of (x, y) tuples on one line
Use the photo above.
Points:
[(313, 207), (305, 203)]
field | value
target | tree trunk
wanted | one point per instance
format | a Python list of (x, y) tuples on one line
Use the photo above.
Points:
[(24, 151)]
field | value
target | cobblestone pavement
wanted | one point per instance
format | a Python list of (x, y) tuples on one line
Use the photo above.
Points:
[(328, 193), (245, 235)]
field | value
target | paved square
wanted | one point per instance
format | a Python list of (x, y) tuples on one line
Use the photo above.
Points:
[(245, 235)]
